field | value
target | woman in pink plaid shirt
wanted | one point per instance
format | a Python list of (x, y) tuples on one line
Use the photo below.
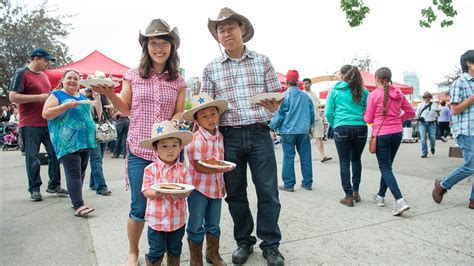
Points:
[(206, 200), (151, 93)]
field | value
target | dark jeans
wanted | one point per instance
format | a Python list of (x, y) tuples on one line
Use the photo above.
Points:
[(443, 129), (97, 179), (303, 146), (161, 242), (387, 147), (32, 139), (75, 165), (122, 131), (350, 142), (252, 146)]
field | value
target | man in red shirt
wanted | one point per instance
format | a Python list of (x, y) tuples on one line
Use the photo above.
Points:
[(30, 88)]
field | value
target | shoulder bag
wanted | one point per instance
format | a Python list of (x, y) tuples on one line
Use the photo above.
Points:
[(105, 131), (373, 138)]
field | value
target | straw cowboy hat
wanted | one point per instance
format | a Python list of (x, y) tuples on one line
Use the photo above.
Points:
[(228, 14), (201, 101), (159, 27), (164, 130)]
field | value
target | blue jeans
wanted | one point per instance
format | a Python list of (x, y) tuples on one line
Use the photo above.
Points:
[(122, 132), (466, 169), (252, 146), (204, 217), (32, 139), (75, 165), (97, 179), (430, 128), (161, 242), (303, 146), (136, 167), (350, 142), (387, 147)]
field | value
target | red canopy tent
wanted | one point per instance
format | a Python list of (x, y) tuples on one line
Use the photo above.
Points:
[(88, 65), (282, 79), (369, 83)]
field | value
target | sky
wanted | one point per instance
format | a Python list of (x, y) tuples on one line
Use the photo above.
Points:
[(312, 37)]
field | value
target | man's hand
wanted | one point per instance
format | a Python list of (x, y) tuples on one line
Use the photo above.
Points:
[(43, 97), (271, 105)]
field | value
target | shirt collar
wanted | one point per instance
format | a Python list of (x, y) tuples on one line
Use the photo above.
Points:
[(164, 166), (467, 76), (247, 53), (163, 75), (206, 134)]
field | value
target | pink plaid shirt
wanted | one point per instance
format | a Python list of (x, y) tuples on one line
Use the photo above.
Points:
[(165, 214), (153, 101), (206, 146)]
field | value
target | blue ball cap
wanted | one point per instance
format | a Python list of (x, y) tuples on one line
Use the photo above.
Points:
[(40, 52)]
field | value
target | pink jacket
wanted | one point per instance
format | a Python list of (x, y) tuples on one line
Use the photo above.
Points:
[(394, 117)]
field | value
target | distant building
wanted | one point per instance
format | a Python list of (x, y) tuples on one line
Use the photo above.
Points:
[(410, 78), (193, 87), (443, 86)]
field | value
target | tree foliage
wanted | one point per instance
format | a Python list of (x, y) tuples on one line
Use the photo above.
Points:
[(22, 30), (363, 63), (356, 11), (451, 77)]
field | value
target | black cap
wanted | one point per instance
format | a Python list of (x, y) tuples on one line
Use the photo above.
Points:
[(40, 52)]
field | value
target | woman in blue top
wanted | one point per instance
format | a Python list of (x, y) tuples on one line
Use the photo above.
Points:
[(72, 133), (344, 112)]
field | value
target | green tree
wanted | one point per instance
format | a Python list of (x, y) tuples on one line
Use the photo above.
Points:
[(22, 30), (356, 11), (451, 77), (363, 63)]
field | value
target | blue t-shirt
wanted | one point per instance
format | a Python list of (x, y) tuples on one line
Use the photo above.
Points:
[(74, 129)]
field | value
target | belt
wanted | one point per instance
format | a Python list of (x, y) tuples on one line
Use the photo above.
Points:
[(251, 126)]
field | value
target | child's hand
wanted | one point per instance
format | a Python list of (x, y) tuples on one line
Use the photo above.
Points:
[(159, 194)]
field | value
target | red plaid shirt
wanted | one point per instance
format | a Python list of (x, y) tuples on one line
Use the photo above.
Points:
[(153, 101), (206, 146), (236, 80), (165, 214)]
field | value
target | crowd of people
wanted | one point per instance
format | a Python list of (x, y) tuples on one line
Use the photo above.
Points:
[(226, 126)]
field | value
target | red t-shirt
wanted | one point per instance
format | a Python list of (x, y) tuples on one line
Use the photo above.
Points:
[(27, 82)]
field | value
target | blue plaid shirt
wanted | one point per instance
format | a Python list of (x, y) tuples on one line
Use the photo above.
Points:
[(461, 89), (236, 80)]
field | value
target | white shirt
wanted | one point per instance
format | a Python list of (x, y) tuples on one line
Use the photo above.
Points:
[(429, 114), (315, 101)]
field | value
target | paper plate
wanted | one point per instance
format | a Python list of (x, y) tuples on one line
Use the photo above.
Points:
[(186, 189), (277, 96), (94, 82), (86, 102), (228, 164)]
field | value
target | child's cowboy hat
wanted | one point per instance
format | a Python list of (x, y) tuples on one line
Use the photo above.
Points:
[(164, 130), (159, 27), (201, 101), (228, 14)]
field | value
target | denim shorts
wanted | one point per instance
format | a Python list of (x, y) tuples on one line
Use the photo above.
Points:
[(136, 167)]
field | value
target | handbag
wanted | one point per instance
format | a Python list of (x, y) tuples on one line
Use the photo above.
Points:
[(373, 138), (105, 131)]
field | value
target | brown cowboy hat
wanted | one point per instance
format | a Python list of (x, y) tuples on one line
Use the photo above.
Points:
[(164, 130), (159, 27), (228, 14), (202, 101)]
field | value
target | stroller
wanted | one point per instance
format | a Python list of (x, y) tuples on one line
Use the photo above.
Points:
[(10, 137)]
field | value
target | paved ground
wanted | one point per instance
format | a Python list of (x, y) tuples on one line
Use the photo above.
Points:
[(316, 228)]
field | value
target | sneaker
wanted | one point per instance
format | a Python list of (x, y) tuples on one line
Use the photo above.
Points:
[(60, 192), (104, 192), (242, 253), (423, 156), (36, 196), (433, 150), (283, 188), (399, 207), (306, 187), (443, 139), (380, 201), (273, 257)]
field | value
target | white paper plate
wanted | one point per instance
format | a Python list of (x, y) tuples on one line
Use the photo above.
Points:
[(277, 96), (86, 102), (229, 164), (186, 189), (94, 82)]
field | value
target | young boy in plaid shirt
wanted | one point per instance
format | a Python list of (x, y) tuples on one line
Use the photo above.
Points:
[(166, 212), (206, 200)]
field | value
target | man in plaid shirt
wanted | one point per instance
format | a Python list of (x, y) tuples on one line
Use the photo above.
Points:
[(236, 76), (462, 99)]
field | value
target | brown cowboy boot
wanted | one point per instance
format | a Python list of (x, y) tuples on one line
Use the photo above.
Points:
[(195, 253), (172, 260), (149, 263), (348, 201), (438, 191), (212, 251)]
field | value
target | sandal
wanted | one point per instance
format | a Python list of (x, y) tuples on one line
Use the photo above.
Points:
[(83, 211), (326, 159)]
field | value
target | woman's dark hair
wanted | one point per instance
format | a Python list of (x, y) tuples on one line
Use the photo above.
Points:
[(172, 64), (384, 75), (351, 75), (60, 84)]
